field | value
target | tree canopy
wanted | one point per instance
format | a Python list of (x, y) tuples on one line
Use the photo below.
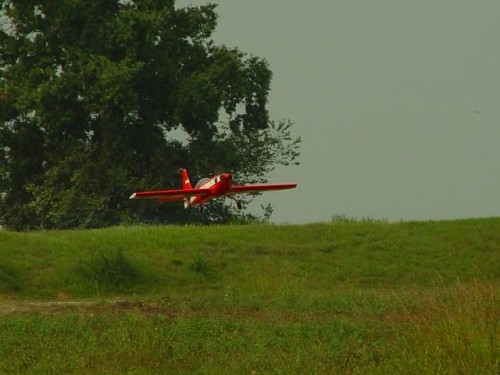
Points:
[(102, 98)]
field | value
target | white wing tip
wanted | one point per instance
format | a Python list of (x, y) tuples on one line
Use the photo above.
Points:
[(132, 196)]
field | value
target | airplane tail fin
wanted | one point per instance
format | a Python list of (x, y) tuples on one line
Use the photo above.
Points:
[(186, 184)]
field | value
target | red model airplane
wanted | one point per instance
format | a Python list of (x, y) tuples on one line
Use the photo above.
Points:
[(206, 189)]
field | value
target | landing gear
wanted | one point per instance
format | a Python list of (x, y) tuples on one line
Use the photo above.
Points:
[(238, 203)]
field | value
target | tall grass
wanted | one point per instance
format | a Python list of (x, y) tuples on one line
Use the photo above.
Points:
[(457, 331), (345, 297), (256, 258), (452, 331)]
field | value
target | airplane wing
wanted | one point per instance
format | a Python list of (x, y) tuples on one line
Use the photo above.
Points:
[(170, 195), (252, 189)]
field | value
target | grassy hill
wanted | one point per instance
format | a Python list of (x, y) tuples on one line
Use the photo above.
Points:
[(354, 297)]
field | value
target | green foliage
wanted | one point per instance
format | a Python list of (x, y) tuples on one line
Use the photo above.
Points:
[(92, 98)]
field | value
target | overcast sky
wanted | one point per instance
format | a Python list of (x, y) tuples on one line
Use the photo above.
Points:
[(397, 103)]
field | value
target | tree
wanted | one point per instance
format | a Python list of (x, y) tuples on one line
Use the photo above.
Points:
[(94, 95)]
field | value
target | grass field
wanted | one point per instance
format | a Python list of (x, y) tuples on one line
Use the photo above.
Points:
[(346, 297)]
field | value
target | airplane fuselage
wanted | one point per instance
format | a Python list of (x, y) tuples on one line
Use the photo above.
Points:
[(219, 186)]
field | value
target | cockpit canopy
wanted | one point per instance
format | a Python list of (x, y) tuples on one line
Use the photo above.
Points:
[(201, 182)]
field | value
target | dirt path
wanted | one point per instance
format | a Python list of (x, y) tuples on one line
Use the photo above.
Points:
[(15, 307), (94, 307)]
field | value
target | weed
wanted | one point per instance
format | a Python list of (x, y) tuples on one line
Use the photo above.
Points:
[(177, 262), (9, 280), (202, 267), (112, 272)]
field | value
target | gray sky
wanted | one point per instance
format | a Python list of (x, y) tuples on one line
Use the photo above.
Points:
[(397, 103)]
